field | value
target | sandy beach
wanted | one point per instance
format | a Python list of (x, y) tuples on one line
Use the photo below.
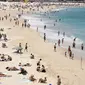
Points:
[(70, 71)]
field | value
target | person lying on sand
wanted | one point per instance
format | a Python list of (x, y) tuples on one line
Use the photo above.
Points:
[(27, 64), (4, 75), (4, 45), (5, 59), (42, 80), (43, 69), (12, 68), (32, 56), (9, 28), (38, 69), (9, 58), (23, 71), (5, 37), (1, 29), (31, 78)]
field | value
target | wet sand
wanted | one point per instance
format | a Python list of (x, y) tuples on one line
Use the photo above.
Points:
[(55, 62)]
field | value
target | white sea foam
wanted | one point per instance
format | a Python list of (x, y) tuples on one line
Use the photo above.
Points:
[(51, 34)]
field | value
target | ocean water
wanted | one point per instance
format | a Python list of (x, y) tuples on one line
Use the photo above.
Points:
[(69, 20)]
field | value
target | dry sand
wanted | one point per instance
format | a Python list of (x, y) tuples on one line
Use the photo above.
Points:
[(56, 63)]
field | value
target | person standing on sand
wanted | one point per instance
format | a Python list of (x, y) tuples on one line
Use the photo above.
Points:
[(44, 37), (65, 54), (59, 80), (22, 25), (20, 48), (26, 47), (37, 29), (25, 21), (55, 47), (25, 25)]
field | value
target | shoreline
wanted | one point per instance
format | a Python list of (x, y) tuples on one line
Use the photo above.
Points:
[(64, 46), (55, 62)]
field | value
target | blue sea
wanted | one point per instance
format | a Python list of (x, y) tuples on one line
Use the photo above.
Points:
[(69, 20)]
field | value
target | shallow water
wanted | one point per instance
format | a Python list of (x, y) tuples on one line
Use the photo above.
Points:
[(69, 20)]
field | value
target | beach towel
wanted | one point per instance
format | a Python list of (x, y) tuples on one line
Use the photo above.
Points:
[(24, 80)]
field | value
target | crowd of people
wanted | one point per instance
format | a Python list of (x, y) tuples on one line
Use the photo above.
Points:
[(40, 68), (19, 49)]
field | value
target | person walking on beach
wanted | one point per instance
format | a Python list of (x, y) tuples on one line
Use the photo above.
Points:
[(25, 21), (37, 29), (70, 54), (82, 47), (55, 47), (59, 42), (22, 25), (65, 54), (62, 40), (44, 37), (58, 33), (58, 80), (63, 34), (26, 47), (44, 27), (25, 25), (73, 45), (54, 24), (69, 49)]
